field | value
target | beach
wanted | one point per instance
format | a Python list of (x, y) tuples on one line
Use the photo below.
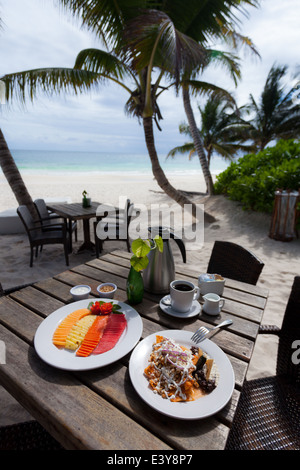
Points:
[(246, 228)]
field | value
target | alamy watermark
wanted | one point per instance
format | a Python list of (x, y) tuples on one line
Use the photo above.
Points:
[(2, 352), (179, 220), (296, 353)]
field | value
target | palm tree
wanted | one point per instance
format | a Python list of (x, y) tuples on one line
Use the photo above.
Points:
[(277, 115), (23, 86), (221, 128), (188, 84), (153, 40), (122, 67)]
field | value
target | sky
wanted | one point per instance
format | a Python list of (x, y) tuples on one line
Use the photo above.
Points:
[(37, 33)]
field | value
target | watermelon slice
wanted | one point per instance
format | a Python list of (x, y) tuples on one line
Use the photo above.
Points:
[(115, 326)]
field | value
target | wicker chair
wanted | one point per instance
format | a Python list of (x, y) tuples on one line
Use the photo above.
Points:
[(40, 234), (235, 262), (268, 413), (48, 217), (29, 435)]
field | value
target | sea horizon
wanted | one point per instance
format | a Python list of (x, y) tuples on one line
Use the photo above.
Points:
[(32, 162)]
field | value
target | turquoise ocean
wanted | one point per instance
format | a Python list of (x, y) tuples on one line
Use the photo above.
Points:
[(44, 161)]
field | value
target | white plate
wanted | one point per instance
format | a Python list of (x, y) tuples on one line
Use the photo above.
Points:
[(67, 360), (194, 310), (203, 407)]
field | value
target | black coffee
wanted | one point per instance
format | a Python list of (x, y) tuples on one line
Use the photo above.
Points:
[(183, 287)]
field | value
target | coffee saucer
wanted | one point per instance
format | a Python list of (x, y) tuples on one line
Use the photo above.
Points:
[(194, 310)]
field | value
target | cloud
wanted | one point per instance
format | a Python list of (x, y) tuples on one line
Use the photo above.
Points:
[(37, 33)]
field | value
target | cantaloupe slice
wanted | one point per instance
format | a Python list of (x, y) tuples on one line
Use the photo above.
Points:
[(63, 329)]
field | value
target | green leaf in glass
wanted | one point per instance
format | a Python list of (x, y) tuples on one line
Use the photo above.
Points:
[(139, 263), (140, 247), (159, 243)]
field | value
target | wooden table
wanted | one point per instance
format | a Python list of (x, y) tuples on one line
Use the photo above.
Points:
[(100, 409), (75, 211)]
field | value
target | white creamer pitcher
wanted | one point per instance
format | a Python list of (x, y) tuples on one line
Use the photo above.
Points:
[(213, 304)]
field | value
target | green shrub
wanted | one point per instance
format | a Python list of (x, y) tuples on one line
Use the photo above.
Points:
[(254, 178)]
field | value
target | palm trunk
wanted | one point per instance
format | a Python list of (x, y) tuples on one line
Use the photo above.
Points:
[(209, 152), (14, 178), (160, 176), (197, 140)]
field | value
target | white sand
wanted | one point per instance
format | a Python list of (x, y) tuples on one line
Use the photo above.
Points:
[(233, 224)]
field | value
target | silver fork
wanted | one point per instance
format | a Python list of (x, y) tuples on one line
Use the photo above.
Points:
[(202, 332)]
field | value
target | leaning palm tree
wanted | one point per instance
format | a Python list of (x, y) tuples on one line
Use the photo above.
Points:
[(221, 130), (21, 87), (190, 86), (277, 115)]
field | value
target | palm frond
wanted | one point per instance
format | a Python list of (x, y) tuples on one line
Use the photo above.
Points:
[(201, 88), (237, 40), (182, 149), (227, 60), (103, 63), (23, 85), (185, 129), (153, 40), (203, 20), (104, 18)]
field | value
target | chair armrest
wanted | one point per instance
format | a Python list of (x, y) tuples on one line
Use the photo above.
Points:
[(52, 218), (269, 329), (48, 227)]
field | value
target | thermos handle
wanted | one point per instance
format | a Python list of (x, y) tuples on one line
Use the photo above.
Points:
[(162, 231), (181, 246)]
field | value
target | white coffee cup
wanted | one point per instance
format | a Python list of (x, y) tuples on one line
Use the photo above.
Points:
[(182, 295), (213, 304)]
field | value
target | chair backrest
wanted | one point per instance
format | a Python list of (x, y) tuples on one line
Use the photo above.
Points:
[(124, 224), (127, 205), (41, 208), (128, 213), (27, 220), (288, 357), (235, 262)]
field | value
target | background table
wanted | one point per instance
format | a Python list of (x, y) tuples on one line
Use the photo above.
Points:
[(100, 409), (76, 211)]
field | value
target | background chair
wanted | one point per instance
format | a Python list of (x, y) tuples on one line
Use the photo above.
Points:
[(115, 228), (51, 218), (268, 413), (40, 234), (29, 435), (235, 262)]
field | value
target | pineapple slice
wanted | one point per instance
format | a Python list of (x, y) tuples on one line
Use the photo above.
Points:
[(78, 332)]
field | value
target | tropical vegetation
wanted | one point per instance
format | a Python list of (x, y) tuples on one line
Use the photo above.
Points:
[(221, 128), (254, 178), (277, 114)]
